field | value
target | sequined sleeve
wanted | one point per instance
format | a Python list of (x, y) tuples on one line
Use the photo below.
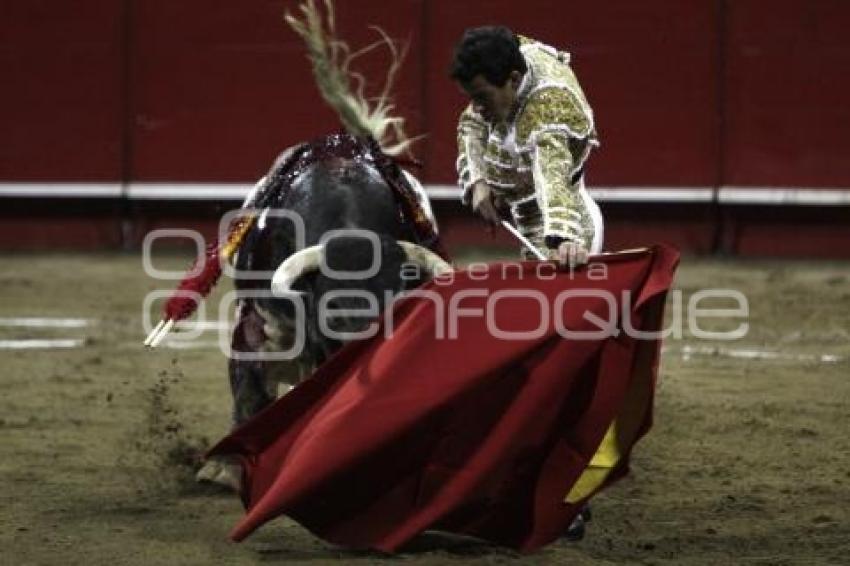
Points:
[(559, 131), (560, 202), (471, 141)]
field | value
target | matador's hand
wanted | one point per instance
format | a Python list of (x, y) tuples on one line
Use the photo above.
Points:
[(571, 254)]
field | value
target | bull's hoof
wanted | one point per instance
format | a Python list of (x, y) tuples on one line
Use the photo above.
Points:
[(208, 471), (220, 473)]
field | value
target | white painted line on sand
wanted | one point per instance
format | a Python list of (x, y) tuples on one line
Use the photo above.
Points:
[(61, 344), (752, 354), (46, 322)]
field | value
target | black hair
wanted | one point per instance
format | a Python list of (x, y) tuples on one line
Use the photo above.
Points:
[(490, 51)]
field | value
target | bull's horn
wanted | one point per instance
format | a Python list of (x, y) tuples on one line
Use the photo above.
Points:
[(296, 265), (425, 258)]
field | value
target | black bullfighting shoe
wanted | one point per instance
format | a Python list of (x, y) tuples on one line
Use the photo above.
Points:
[(575, 531)]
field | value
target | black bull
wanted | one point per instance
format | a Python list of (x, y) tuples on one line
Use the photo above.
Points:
[(336, 183)]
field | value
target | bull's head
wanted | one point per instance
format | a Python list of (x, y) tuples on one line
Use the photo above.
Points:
[(347, 281)]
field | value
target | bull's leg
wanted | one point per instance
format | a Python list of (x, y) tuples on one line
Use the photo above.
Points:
[(250, 390), (249, 386), (253, 383)]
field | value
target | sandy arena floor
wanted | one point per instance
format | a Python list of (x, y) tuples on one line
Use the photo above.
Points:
[(748, 462)]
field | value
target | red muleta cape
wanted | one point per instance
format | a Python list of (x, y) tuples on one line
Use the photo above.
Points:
[(479, 435)]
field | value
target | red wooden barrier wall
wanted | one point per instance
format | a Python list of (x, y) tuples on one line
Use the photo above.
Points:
[(705, 93)]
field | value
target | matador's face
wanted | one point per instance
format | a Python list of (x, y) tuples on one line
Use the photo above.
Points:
[(494, 103)]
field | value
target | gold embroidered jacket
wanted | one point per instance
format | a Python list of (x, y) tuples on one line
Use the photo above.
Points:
[(535, 160)]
